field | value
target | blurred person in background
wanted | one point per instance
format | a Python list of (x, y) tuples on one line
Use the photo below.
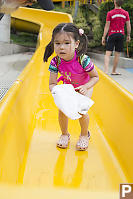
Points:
[(9, 6)]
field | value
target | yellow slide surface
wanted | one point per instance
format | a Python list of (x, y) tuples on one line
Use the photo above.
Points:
[(30, 164)]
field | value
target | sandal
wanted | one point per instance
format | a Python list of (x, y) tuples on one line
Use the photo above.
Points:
[(115, 73), (63, 141), (82, 144)]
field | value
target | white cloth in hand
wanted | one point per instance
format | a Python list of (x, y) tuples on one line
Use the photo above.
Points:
[(70, 102)]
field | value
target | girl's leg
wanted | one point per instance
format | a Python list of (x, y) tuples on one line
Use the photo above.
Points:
[(63, 122), (84, 123), (82, 143), (84, 120), (65, 137)]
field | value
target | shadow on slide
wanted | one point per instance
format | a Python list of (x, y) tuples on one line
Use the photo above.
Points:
[(30, 164)]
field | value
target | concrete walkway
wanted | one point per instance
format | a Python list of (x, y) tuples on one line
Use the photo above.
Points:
[(10, 68), (125, 67)]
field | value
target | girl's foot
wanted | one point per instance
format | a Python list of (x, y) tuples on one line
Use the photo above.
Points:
[(63, 141), (82, 144)]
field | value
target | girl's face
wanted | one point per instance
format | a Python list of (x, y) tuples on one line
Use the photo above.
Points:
[(65, 45)]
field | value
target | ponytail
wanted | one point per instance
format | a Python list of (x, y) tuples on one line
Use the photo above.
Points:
[(82, 48), (78, 34), (48, 51)]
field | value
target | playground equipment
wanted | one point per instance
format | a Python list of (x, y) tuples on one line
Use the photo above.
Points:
[(30, 164)]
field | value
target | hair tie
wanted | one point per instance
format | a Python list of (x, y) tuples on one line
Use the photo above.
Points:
[(81, 31)]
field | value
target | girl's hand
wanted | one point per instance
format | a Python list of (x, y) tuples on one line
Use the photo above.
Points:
[(82, 89)]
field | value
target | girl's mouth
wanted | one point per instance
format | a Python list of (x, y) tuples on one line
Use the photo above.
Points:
[(62, 53)]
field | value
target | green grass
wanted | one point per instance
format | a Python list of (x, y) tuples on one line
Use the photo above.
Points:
[(25, 39)]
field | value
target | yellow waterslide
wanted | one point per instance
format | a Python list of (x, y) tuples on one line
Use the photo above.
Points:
[(30, 164)]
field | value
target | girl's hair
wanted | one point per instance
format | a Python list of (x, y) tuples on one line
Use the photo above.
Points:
[(119, 2), (70, 28)]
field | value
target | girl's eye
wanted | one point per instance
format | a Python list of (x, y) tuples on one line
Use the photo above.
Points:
[(57, 43), (67, 43)]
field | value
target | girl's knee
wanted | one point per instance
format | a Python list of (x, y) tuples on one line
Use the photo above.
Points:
[(61, 114), (84, 116)]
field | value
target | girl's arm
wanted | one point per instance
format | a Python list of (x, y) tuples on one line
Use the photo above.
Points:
[(93, 80), (52, 80)]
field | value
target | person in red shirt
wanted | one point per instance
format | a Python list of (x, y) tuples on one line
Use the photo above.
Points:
[(115, 22)]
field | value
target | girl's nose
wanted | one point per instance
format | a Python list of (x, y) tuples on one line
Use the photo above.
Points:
[(62, 46)]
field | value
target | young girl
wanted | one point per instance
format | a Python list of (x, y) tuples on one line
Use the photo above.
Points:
[(70, 45)]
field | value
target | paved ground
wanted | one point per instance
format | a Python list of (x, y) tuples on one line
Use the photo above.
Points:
[(10, 68), (126, 77), (12, 65)]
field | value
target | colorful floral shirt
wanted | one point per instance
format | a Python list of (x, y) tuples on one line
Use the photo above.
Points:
[(73, 72)]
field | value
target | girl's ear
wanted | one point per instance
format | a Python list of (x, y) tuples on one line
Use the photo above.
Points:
[(77, 43)]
